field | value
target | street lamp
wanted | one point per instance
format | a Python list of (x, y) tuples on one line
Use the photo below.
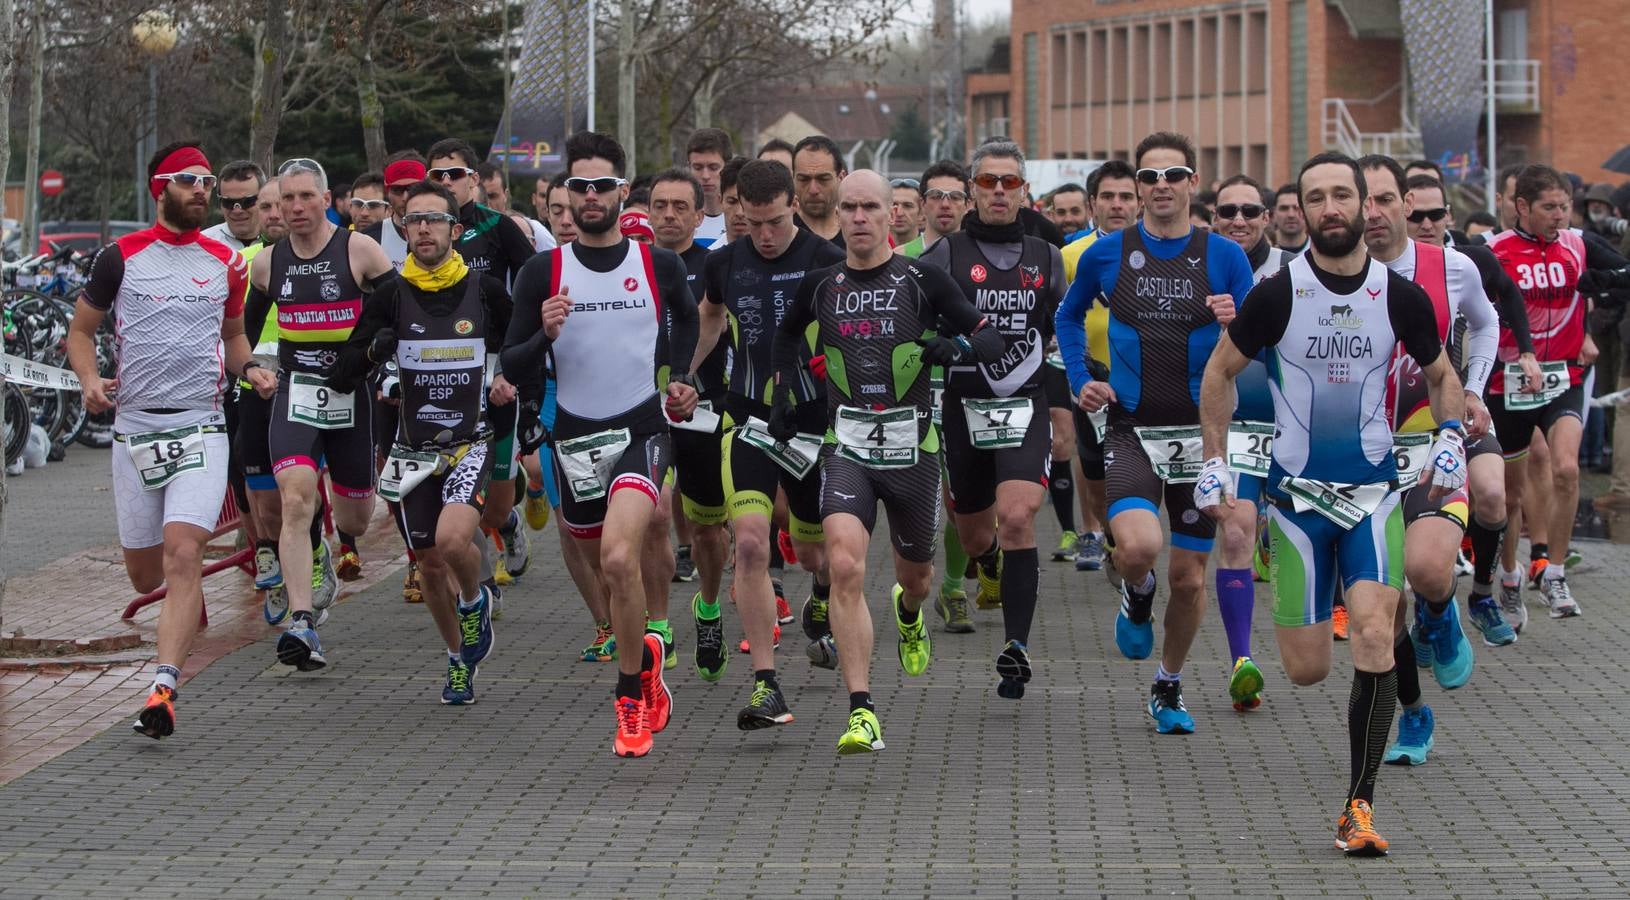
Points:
[(155, 35)]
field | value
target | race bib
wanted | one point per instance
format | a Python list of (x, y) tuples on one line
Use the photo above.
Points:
[(1250, 447), (997, 424), (1553, 383), (161, 456), (1410, 450), (588, 460), (703, 419), (878, 439), (1056, 360), (1100, 423), (1344, 504), (312, 402), (1174, 452), (797, 456), (405, 470), (936, 394)]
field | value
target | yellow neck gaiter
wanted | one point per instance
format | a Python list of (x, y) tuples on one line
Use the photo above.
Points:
[(450, 272)]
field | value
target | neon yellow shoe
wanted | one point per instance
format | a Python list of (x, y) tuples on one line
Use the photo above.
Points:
[(501, 574), (990, 586), (913, 639), (865, 734), (1245, 685), (537, 510)]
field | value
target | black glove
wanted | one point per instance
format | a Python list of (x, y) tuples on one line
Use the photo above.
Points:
[(529, 430), (383, 346), (783, 425), (1597, 281), (945, 351)]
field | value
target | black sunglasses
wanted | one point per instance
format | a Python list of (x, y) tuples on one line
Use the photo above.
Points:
[(239, 202), (1421, 215), (1227, 211)]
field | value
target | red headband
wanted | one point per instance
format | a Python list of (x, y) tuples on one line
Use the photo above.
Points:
[(636, 224), (181, 158), (408, 169)]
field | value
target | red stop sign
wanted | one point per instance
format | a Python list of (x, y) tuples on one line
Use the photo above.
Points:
[(51, 182)]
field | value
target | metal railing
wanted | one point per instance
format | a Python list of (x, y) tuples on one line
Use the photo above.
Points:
[(1342, 133), (1516, 84)]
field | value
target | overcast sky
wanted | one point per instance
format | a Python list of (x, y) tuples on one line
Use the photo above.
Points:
[(978, 10)]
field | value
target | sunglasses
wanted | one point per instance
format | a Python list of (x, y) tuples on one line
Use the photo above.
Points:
[(427, 218), (604, 185), (937, 194), (1421, 215), (1227, 211), (397, 189), (188, 179), (1168, 174), (300, 164), (239, 202), (989, 181), (451, 173), (911, 183), (380, 205)]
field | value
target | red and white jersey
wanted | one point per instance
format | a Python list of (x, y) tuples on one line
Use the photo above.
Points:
[(605, 359), (1547, 273), (168, 294)]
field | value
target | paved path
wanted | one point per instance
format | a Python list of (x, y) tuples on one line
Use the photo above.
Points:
[(355, 781)]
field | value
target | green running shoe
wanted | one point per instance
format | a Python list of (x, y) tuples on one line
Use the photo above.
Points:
[(710, 656), (952, 607), (671, 659), (1066, 547), (1245, 685), (913, 639), (865, 734)]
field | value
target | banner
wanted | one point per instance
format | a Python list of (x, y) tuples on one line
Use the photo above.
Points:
[(1448, 76), (32, 374), (550, 93)]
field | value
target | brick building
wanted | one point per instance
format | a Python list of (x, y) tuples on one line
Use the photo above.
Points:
[(1260, 85)]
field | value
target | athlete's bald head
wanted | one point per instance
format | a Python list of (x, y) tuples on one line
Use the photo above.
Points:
[(864, 201), (864, 181)]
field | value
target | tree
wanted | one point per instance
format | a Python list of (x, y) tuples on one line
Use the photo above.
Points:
[(910, 133)]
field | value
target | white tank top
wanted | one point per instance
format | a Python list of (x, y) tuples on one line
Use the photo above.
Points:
[(605, 357)]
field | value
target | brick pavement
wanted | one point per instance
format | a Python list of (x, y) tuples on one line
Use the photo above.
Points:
[(356, 781)]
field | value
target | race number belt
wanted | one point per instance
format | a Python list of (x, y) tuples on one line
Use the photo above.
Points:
[(312, 402), (588, 461), (936, 393), (703, 419), (797, 456), (162, 456), (407, 468), (1344, 504), (878, 439), (1553, 383), (1250, 447), (1056, 360), (1100, 423), (998, 424), (1409, 452), (1173, 451)]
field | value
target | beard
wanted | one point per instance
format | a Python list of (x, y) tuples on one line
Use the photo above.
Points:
[(1342, 242), (178, 213), (612, 210)]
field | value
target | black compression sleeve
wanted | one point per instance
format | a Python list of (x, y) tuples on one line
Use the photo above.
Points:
[(685, 324), (499, 310), (107, 272), (1507, 298), (524, 342), (378, 312), (255, 311), (786, 350), (1263, 317)]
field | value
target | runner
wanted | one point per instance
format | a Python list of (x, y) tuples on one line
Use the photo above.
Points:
[(944, 187), (1335, 517), (1554, 268), (404, 170), (1068, 209), (368, 203), (495, 194), (1180, 287), (1289, 228), (588, 305), (240, 184), (438, 322), (906, 211), (997, 448), (777, 150), (319, 275), (817, 167), (1114, 191), (706, 153), (735, 224), (179, 325), (751, 282), (561, 224), (871, 310)]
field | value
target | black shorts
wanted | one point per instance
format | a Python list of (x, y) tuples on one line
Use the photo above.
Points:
[(1488, 443), (910, 496), (249, 443), (1418, 504), (465, 483), (974, 474), (699, 471), (386, 416), (1057, 387), (642, 467), (1130, 483), (1516, 429), (348, 452), (1088, 449), (750, 479)]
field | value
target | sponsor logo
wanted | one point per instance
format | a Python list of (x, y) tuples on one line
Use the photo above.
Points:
[(448, 417), (609, 305), (463, 326), (416, 328), (1342, 317), (321, 359), (329, 289), (1194, 261), (978, 274), (838, 278), (786, 276), (1338, 373), (1373, 294), (440, 354), (1305, 292), (1030, 277), (631, 284), (1136, 259), (842, 496), (288, 288), (201, 282), (1190, 516), (897, 279)]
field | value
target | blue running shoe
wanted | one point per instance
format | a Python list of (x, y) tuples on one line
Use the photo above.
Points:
[(1486, 615), (1451, 652), (1013, 666), (460, 689), (1135, 641), (1089, 552), (1417, 636), (1414, 738), (1166, 708), (475, 626), (298, 646), (268, 572), (275, 605)]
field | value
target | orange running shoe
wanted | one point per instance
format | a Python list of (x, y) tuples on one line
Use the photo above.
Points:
[(1355, 831), (1536, 571), (784, 542), (743, 647), (633, 738), (659, 701), (349, 564), (157, 718), (1338, 622), (783, 611)]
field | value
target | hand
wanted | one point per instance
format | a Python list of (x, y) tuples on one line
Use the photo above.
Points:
[(817, 366), (263, 380), (529, 430), (945, 351), (98, 394), (1215, 488), (502, 393), (1588, 351), (1448, 464), (1222, 306), (1477, 416), (1530, 373), (681, 401), (383, 346), (555, 311), (783, 426), (1599, 281), (1095, 395)]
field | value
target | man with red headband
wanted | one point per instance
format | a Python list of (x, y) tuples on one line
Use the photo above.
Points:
[(179, 325), (317, 277)]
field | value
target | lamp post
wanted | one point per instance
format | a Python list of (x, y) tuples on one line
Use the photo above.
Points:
[(155, 35)]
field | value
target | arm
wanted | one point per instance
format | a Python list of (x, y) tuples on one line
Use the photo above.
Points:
[(107, 273), (1412, 319), (786, 359), (711, 305), (675, 287), (1443, 388), (357, 357), (1070, 323), (1217, 399), (526, 342), (1505, 296), (1482, 326), (952, 308)]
